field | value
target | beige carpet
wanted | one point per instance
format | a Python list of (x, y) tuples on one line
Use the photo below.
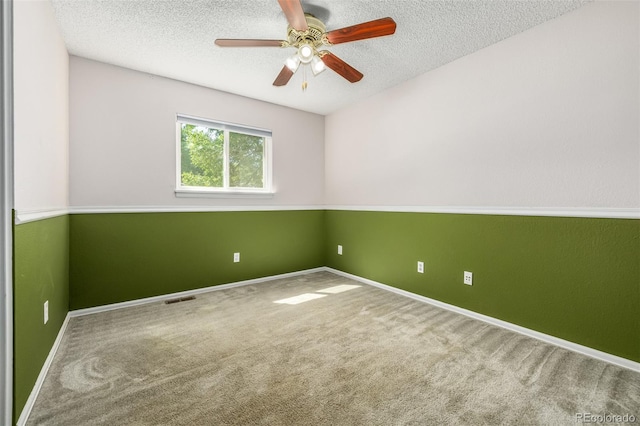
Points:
[(363, 356)]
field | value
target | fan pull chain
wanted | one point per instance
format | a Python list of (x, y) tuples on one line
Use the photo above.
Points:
[(304, 78)]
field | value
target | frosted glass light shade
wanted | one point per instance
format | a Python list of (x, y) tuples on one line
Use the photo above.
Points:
[(305, 52), (292, 62), (317, 66)]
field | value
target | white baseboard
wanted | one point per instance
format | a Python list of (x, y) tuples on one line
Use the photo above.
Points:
[(163, 297), (584, 350), (28, 406)]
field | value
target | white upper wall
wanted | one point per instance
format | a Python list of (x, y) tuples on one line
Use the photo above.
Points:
[(41, 109), (123, 139), (547, 118)]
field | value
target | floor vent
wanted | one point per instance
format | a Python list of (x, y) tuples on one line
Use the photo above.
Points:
[(180, 299)]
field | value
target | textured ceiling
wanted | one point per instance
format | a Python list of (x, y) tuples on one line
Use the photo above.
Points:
[(175, 39)]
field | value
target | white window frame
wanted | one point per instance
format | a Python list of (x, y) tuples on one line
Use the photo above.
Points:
[(225, 191)]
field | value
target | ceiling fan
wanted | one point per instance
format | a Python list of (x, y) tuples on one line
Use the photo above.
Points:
[(307, 34)]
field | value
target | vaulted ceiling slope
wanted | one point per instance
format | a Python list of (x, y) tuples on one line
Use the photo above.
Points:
[(175, 39)]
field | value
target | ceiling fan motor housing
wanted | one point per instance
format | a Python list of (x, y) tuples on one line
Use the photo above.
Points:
[(313, 36)]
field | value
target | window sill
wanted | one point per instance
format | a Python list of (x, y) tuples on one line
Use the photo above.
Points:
[(206, 193)]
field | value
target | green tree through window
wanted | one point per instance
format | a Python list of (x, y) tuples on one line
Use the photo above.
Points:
[(245, 161), (202, 156)]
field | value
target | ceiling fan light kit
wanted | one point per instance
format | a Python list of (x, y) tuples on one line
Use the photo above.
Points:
[(293, 62), (317, 66), (306, 52), (307, 34)]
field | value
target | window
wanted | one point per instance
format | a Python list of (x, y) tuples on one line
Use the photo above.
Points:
[(221, 159)]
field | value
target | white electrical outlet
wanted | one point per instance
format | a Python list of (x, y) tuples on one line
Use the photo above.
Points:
[(468, 278), (339, 249), (46, 312), (421, 267), (236, 257)]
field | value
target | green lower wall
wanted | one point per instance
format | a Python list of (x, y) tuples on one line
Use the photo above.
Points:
[(574, 278), (126, 256), (41, 272)]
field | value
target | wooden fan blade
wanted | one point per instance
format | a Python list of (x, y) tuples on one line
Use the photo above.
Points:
[(377, 28), (284, 77), (341, 67), (294, 13), (230, 42)]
